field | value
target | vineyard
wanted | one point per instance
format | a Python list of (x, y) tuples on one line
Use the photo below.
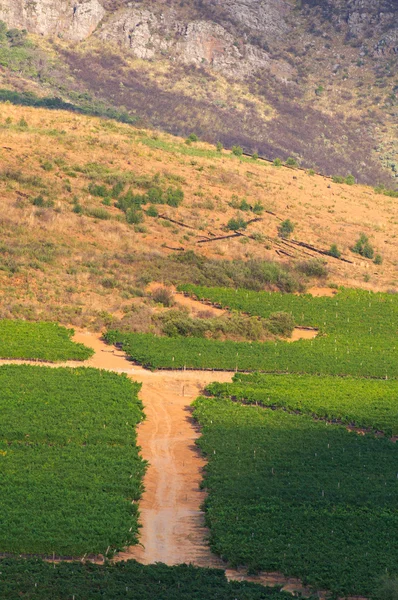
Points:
[(348, 312), (365, 403), (39, 341), (290, 494), (36, 580), (360, 356), (71, 473)]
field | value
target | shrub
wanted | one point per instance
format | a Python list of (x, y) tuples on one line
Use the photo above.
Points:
[(313, 268), (163, 295), (363, 247), (134, 216), (378, 259), (255, 156), (155, 195), (98, 190), (350, 180), (334, 251), (237, 150), (77, 208), (152, 211), (193, 137), (174, 196), (277, 162), (258, 208), (311, 172), (285, 229), (98, 213), (47, 165), (244, 205), (117, 189), (281, 323), (337, 179), (236, 223), (219, 147), (291, 162)]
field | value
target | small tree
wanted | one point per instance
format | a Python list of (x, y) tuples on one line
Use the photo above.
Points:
[(291, 162), (285, 229), (277, 162), (378, 259), (219, 147)]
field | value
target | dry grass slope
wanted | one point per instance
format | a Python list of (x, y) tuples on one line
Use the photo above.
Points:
[(65, 255)]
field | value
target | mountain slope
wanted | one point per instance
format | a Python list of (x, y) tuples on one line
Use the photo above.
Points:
[(313, 79)]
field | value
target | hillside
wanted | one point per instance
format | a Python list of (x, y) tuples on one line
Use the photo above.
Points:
[(93, 211), (314, 79)]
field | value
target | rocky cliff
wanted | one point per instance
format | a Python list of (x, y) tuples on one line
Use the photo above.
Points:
[(74, 19)]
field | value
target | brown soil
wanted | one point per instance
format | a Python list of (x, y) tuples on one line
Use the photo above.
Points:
[(318, 292), (301, 333)]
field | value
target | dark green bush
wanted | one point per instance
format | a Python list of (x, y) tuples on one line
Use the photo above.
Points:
[(350, 180), (98, 190), (236, 223), (155, 195), (334, 251), (258, 208), (152, 211), (378, 260), (277, 162), (174, 196), (291, 162), (237, 150), (285, 229), (134, 216), (363, 247)]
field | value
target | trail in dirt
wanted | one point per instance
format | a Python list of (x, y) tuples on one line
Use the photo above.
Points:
[(173, 529)]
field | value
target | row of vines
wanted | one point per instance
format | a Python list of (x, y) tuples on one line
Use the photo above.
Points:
[(71, 472)]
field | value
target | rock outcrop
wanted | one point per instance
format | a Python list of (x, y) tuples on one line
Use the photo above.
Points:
[(198, 42), (73, 19)]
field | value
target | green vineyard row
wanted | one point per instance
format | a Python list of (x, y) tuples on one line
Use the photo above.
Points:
[(39, 341), (307, 498), (71, 473), (363, 403)]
